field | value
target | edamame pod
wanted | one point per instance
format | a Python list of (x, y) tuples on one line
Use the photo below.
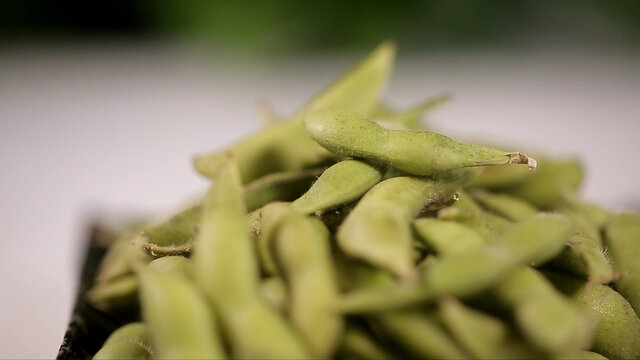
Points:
[(410, 119), (341, 183), (176, 265), (414, 152), (447, 237), (173, 236), (115, 295), (507, 206), (618, 329), (548, 320), (482, 335), (420, 334), (501, 176), (623, 241), (302, 251), (378, 230), (127, 342), (584, 257), (227, 271), (274, 292), (181, 324), (285, 146)]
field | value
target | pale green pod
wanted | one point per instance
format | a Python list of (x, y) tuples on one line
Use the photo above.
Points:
[(420, 334), (176, 265), (281, 186), (583, 224), (271, 217), (302, 252), (500, 176), (358, 344), (274, 292), (286, 146), (489, 226), (535, 240), (117, 294), (127, 342), (547, 319), (618, 329), (622, 237), (507, 206), (227, 270), (482, 335), (414, 152), (585, 257), (180, 323), (378, 230), (343, 182), (549, 184), (447, 237)]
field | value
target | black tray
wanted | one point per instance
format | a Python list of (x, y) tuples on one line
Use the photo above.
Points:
[(89, 327)]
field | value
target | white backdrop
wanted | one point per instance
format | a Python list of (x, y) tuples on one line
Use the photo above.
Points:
[(109, 129)]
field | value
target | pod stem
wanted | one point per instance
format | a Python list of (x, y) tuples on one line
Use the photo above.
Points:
[(520, 158)]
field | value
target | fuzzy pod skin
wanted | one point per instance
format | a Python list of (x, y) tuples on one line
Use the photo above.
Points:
[(378, 230), (127, 342), (548, 320), (343, 182), (622, 237), (586, 258), (180, 322), (507, 206), (618, 329), (286, 146), (227, 270), (302, 251), (414, 152), (420, 334)]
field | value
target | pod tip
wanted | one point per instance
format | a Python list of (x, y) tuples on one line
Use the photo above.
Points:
[(520, 158)]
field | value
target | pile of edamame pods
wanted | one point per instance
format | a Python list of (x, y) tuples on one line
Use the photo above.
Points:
[(352, 231)]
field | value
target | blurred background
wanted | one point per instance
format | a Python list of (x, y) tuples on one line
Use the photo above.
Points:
[(103, 104)]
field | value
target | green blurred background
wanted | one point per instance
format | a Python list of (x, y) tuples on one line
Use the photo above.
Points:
[(285, 26)]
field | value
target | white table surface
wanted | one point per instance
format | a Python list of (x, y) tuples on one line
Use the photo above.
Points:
[(110, 128)]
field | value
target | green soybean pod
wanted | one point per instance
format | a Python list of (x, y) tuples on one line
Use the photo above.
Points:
[(286, 146), (535, 240), (507, 206), (622, 237), (466, 202), (378, 230), (447, 237), (618, 329), (482, 335), (358, 344), (341, 183), (181, 324), (281, 186), (584, 257), (227, 270), (419, 332), (548, 320), (127, 342), (501, 176), (414, 152), (302, 251), (116, 261), (489, 226)]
